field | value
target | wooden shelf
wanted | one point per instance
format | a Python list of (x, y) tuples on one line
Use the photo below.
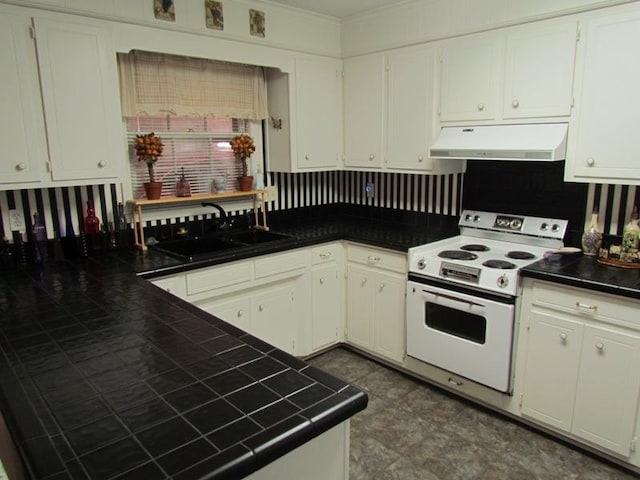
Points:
[(140, 203)]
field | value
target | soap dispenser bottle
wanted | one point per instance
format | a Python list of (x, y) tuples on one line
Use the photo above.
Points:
[(631, 239)]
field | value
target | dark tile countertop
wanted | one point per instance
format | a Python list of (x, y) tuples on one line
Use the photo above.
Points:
[(103, 375), (585, 272)]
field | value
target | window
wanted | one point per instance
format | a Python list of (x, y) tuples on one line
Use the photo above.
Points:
[(199, 145)]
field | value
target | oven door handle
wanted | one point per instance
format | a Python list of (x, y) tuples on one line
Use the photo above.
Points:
[(454, 299)]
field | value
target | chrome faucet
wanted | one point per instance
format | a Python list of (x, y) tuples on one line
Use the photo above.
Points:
[(223, 215)]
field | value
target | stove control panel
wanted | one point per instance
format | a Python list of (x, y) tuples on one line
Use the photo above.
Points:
[(547, 228)]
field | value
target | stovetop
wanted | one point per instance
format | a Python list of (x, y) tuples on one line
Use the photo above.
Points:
[(490, 251)]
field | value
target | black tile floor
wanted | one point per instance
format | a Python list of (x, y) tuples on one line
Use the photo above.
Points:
[(411, 430)]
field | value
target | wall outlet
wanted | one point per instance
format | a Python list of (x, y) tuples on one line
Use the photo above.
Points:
[(270, 193), (16, 221), (370, 190)]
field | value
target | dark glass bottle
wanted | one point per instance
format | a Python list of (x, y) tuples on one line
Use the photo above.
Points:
[(39, 235), (124, 233)]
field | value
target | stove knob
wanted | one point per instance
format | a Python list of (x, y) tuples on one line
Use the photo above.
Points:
[(476, 218), (516, 223), (555, 227), (422, 264), (502, 281), (544, 226), (467, 217)]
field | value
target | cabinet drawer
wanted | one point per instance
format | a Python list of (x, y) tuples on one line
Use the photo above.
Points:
[(218, 277), (286, 262), (588, 304), (375, 257), (329, 252)]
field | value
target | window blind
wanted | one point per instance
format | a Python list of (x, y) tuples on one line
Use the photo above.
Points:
[(200, 145)]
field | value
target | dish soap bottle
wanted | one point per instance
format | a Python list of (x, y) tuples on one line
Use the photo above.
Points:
[(592, 237), (631, 239)]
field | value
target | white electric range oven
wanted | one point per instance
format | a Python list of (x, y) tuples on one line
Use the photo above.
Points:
[(461, 293)]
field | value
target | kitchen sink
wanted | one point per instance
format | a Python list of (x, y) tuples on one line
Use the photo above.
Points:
[(253, 237), (199, 247)]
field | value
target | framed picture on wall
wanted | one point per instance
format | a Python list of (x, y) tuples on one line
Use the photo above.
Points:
[(164, 10), (256, 23), (214, 15)]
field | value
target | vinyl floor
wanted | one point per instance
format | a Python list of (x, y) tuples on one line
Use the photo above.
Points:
[(412, 430)]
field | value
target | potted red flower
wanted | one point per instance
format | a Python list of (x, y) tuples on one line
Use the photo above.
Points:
[(243, 147), (148, 148)]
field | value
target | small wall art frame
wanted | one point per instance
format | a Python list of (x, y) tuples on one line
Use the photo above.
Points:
[(214, 15), (257, 23), (164, 10)]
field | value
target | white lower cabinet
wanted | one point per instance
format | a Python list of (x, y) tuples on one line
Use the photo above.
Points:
[(376, 301), (235, 310), (581, 372), (273, 316), (327, 296)]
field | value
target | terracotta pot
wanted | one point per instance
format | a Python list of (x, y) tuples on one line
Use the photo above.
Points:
[(153, 190), (245, 183)]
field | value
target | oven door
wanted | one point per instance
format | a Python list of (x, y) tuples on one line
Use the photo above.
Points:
[(462, 332)]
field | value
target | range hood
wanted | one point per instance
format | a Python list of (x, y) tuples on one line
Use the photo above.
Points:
[(531, 142)]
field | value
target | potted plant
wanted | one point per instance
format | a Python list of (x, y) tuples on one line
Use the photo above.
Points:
[(243, 146), (148, 149)]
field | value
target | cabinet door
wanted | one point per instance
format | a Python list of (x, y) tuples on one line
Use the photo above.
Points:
[(539, 64), (410, 130), (273, 316), (80, 94), (553, 359), (470, 77), (603, 138), (21, 122), (326, 305), (363, 101), (235, 310), (608, 389), (389, 323), (319, 113), (360, 306)]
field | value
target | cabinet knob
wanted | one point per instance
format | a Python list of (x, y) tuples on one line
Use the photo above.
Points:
[(481, 106), (240, 313), (325, 255), (307, 157), (322, 281), (261, 308), (363, 282), (372, 156), (420, 158), (600, 346), (591, 161), (515, 103), (382, 285), (373, 259), (102, 164), (589, 308), (21, 166), (563, 337)]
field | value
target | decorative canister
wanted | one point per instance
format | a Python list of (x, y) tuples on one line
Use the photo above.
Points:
[(592, 237)]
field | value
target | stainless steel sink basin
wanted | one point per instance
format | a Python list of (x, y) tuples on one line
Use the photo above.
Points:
[(199, 247)]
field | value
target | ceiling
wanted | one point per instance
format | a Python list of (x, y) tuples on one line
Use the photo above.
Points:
[(338, 8)]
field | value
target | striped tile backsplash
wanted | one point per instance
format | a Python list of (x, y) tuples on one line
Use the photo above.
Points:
[(65, 207)]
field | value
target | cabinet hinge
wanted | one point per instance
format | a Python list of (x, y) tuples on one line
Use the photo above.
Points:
[(632, 447), (48, 164), (32, 32), (520, 401), (578, 34)]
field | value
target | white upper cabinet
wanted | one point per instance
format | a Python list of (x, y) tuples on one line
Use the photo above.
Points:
[(363, 103), (305, 129), (470, 77), (21, 123), (390, 114), (410, 107), (538, 74), (603, 146), (507, 75), (319, 113), (79, 85)]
